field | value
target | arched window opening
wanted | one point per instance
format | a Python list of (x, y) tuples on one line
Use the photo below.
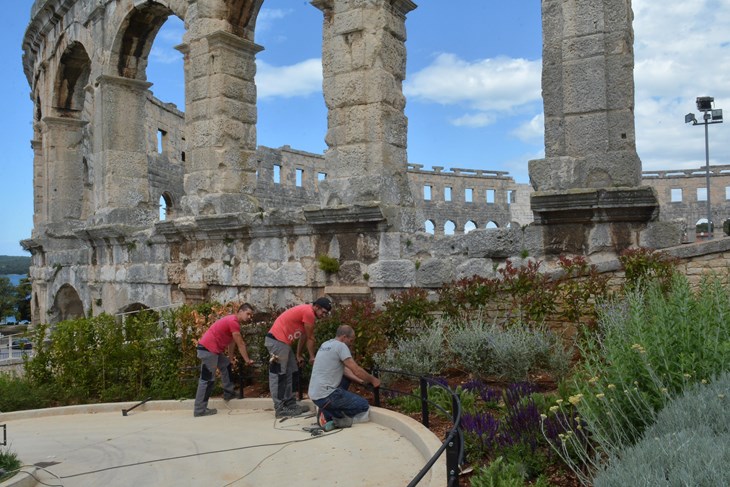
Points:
[(165, 206), (430, 227), (491, 224), (470, 225), (449, 227)]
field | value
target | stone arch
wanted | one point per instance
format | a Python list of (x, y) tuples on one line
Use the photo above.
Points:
[(429, 227), (135, 38), (469, 226), (71, 80), (166, 205), (242, 15), (67, 304), (449, 227), (491, 224)]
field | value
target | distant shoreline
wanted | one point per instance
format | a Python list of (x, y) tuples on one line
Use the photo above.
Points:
[(15, 278)]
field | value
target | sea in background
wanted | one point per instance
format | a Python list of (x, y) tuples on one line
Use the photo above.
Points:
[(15, 278)]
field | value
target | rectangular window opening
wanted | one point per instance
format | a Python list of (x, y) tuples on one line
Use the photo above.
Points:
[(300, 176), (277, 174), (676, 195), (161, 141), (447, 193), (321, 176), (427, 192), (510, 196), (701, 194), (468, 195), (490, 196)]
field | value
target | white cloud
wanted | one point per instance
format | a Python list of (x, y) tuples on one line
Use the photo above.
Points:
[(532, 130), (472, 120), (682, 51), (268, 16), (497, 84), (301, 79)]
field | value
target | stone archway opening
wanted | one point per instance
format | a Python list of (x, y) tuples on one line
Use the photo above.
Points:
[(71, 80), (67, 304)]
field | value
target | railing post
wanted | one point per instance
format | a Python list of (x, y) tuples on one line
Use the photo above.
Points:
[(376, 391), (424, 401), (454, 446), (241, 376)]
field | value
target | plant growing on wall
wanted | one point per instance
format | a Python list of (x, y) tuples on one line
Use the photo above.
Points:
[(328, 264)]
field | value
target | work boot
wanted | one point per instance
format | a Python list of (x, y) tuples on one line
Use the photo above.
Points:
[(344, 422), (207, 412)]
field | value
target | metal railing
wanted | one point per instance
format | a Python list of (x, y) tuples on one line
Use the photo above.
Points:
[(453, 444), (13, 348)]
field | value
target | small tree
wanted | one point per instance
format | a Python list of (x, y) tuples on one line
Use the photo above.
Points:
[(8, 297)]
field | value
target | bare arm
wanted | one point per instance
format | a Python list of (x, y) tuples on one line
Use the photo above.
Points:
[(238, 339), (360, 374)]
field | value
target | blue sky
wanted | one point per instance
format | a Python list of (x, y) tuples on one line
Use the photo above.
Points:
[(472, 87)]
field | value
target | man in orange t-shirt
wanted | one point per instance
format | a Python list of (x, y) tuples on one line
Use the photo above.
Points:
[(296, 323), (217, 342)]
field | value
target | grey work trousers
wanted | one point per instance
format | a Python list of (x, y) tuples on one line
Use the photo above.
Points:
[(209, 362), (281, 372)]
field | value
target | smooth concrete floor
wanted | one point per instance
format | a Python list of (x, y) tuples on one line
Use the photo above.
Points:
[(161, 444)]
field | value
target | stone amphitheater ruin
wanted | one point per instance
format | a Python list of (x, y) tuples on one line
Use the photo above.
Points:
[(232, 230)]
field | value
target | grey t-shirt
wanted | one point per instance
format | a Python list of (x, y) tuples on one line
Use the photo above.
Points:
[(328, 368)]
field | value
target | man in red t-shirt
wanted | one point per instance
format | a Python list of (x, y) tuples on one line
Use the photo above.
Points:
[(220, 337), (296, 323)]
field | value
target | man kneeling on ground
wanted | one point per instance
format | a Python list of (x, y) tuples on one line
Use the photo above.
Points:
[(333, 370)]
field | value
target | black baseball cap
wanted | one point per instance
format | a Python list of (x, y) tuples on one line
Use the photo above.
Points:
[(323, 303)]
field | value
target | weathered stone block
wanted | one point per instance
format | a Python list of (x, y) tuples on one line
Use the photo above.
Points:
[(392, 273)]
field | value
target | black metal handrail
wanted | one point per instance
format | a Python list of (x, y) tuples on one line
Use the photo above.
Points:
[(454, 442)]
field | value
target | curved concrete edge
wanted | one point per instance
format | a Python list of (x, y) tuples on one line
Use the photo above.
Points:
[(418, 435)]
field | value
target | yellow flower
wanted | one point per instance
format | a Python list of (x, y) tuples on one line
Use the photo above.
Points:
[(543, 416), (611, 386), (554, 408), (600, 396), (593, 380), (687, 376), (704, 381), (721, 396), (574, 400), (664, 390), (559, 401)]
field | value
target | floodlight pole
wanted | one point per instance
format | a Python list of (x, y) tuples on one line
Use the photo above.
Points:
[(709, 115), (710, 230)]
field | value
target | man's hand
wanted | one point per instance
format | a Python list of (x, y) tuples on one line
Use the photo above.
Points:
[(300, 361)]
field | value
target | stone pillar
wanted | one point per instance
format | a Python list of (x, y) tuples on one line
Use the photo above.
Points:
[(122, 171), (220, 123), (364, 63), (40, 195), (64, 169), (591, 172)]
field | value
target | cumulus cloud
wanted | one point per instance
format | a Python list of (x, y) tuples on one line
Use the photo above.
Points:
[(472, 120), (682, 51), (300, 79), (532, 130), (496, 84)]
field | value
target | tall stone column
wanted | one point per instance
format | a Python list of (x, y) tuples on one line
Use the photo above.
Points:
[(64, 171), (121, 168), (40, 194), (364, 65), (220, 123), (591, 172)]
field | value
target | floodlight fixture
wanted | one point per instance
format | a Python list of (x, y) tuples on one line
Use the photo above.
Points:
[(704, 103), (709, 116)]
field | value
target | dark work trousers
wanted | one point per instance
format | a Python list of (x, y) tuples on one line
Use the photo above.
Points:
[(209, 362), (281, 372)]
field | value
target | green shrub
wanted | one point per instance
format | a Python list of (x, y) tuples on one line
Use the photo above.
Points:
[(328, 264), (688, 445), (423, 354), (502, 473), (513, 353), (642, 265), (648, 348), (17, 393), (8, 462)]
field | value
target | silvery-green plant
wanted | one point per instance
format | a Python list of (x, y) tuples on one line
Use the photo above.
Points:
[(689, 444)]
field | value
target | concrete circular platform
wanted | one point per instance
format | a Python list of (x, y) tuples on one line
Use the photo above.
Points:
[(161, 444)]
